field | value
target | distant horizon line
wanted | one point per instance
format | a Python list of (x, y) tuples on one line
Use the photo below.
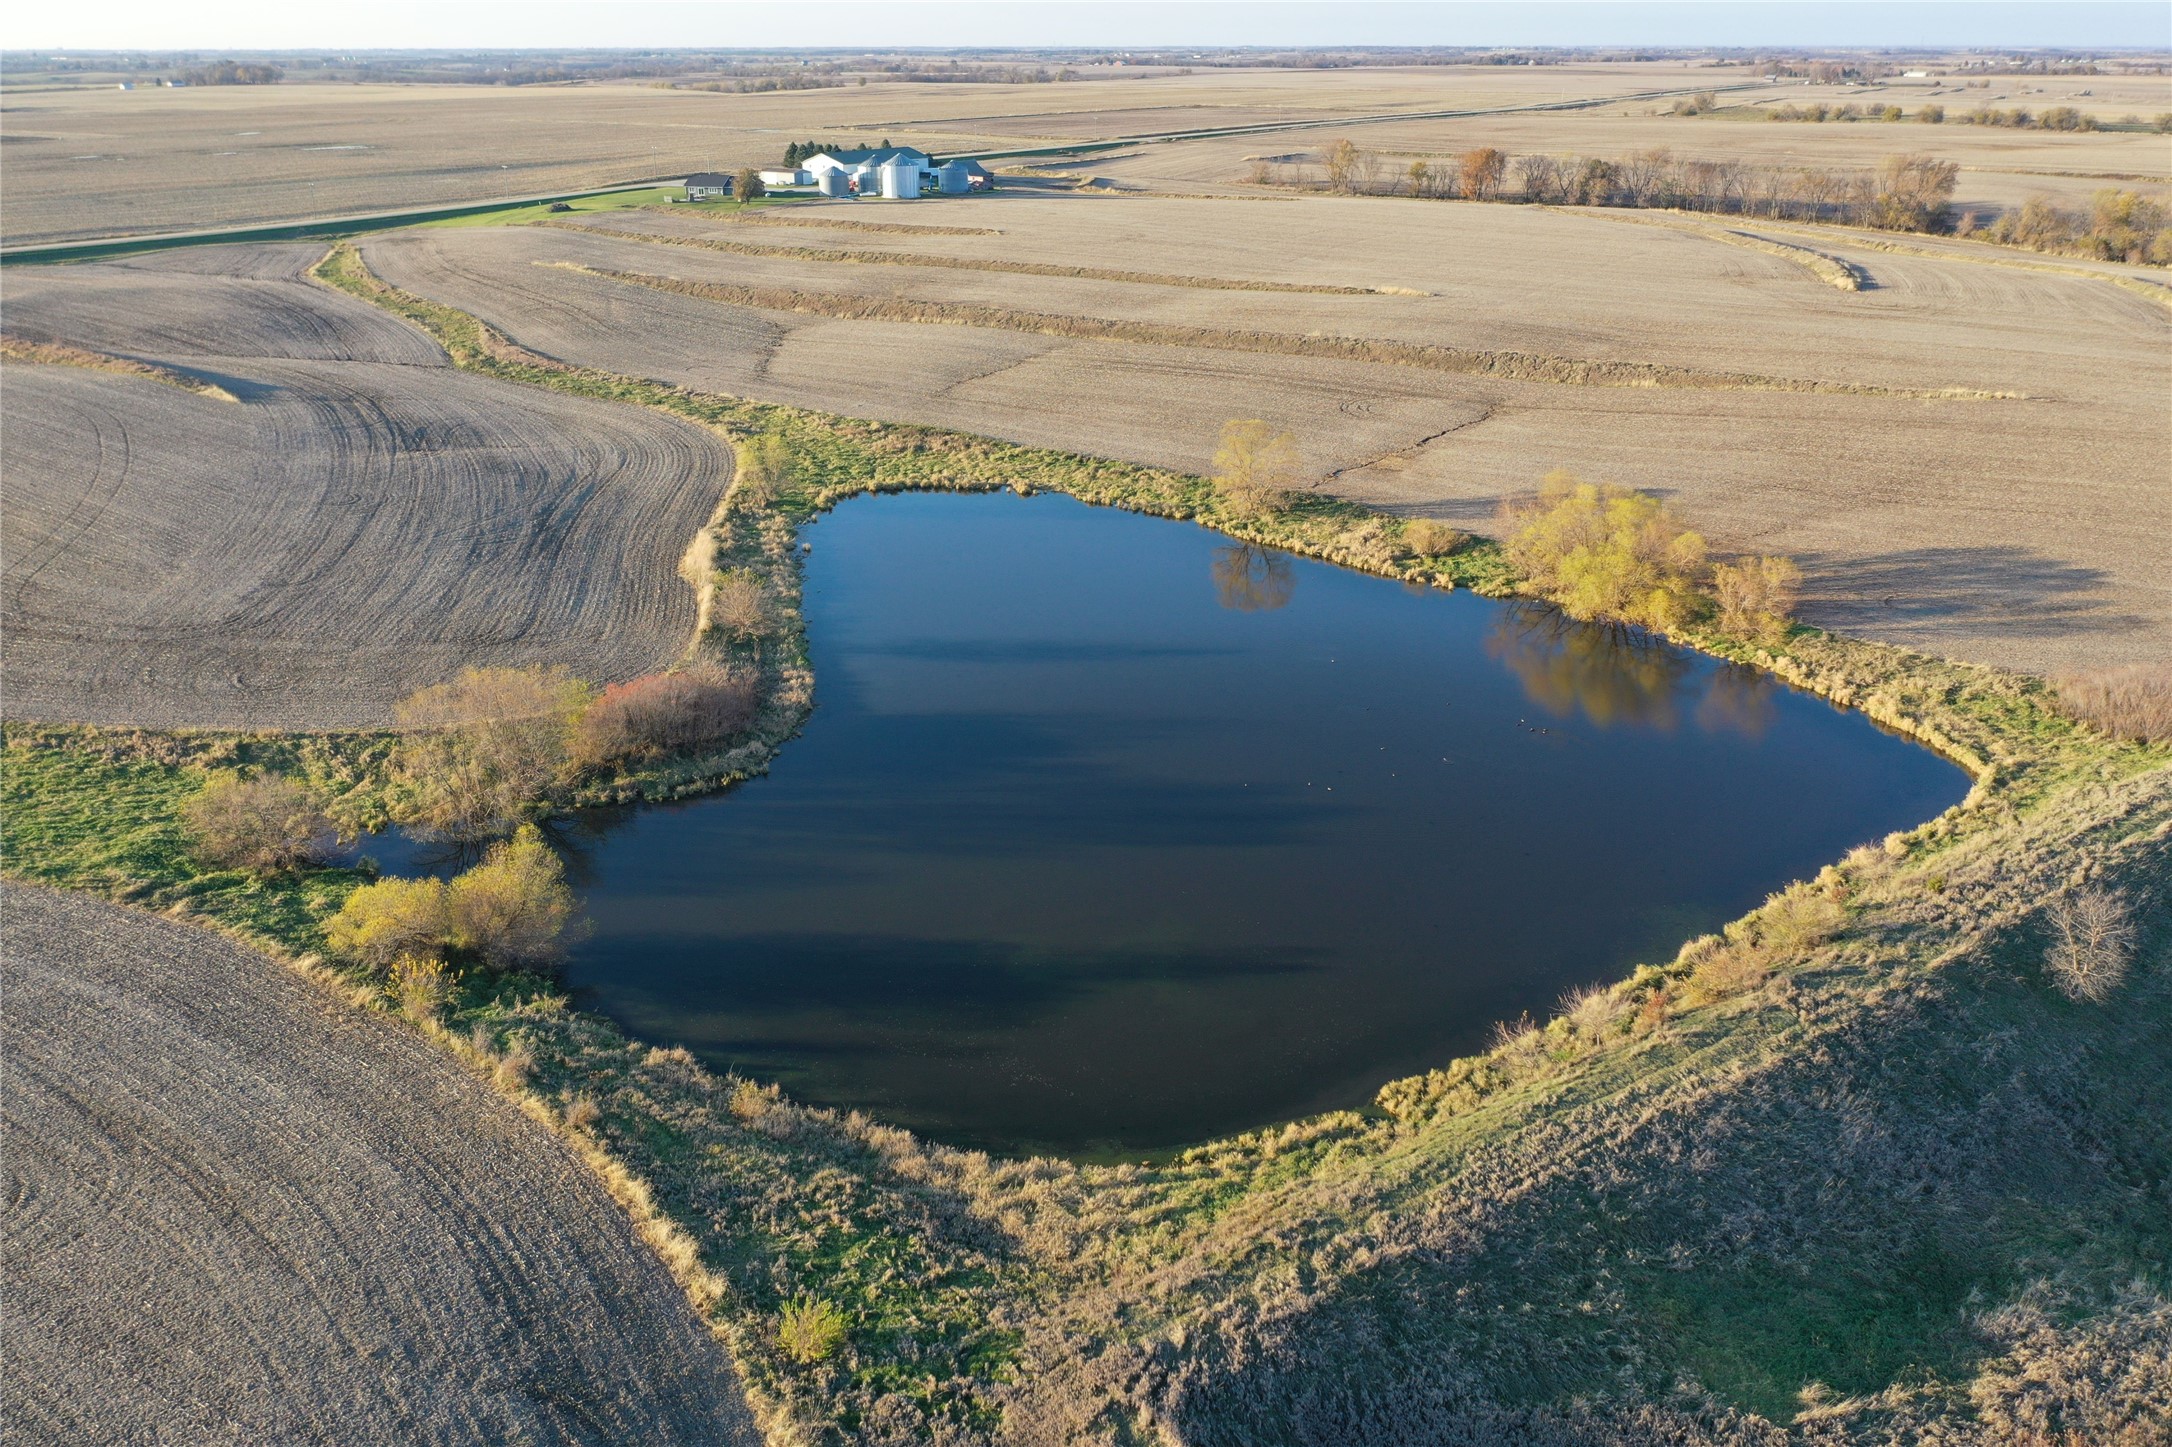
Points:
[(62, 52)]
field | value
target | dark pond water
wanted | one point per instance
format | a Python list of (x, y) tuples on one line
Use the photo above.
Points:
[(1108, 835)]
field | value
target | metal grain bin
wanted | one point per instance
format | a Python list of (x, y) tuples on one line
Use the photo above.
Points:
[(833, 182), (901, 180), (954, 179)]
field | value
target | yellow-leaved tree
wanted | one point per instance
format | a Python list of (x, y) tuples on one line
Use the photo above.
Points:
[(1604, 552), (1255, 467)]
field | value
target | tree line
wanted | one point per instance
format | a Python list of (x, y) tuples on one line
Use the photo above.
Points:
[(231, 72), (1904, 193), (1912, 192)]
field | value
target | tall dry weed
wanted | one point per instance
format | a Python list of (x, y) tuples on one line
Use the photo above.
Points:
[(2092, 943), (2132, 702)]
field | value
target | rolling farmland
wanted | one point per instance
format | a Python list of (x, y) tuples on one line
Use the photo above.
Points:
[(90, 161), (1866, 1166), (1878, 494), (237, 1204), (363, 522)]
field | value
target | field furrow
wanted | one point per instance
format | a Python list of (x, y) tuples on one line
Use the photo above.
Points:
[(352, 531), (273, 1218)]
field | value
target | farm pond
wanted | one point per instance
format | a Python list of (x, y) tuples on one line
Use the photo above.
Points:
[(1108, 834)]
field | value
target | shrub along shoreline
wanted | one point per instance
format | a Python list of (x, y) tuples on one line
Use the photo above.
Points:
[(876, 1287)]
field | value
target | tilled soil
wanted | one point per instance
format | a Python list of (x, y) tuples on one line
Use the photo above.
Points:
[(240, 1211), (364, 522), (2022, 531)]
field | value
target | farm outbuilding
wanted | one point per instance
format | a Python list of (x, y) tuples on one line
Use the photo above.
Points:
[(708, 186), (787, 178), (900, 179), (954, 177), (899, 173), (873, 158)]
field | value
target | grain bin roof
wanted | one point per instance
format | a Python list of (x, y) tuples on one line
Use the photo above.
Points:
[(875, 156)]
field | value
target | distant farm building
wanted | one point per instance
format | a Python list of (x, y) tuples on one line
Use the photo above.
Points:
[(956, 176), (708, 186), (869, 160), (787, 178), (900, 173)]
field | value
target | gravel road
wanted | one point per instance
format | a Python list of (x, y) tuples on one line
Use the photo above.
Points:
[(239, 1211)]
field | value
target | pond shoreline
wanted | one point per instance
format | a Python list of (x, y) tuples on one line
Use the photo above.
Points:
[(1006, 1275)]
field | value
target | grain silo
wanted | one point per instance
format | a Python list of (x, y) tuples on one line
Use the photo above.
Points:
[(901, 179)]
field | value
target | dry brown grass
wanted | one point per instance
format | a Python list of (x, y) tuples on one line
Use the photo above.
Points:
[(2129, 702), (827, 218), (961, 263), (1841, 275), (55, 354), (1515, 366)]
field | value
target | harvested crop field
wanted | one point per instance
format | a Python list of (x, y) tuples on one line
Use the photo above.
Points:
[(2021, 529), (98, 162), (243, 1211), (363, 522)]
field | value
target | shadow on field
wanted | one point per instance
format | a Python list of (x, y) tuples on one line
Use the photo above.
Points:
[(2007, 591)]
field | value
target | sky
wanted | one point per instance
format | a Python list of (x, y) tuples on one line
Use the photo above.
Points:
[(233, 25)]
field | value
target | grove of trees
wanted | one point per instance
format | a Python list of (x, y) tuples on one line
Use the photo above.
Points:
[(1605, 553)]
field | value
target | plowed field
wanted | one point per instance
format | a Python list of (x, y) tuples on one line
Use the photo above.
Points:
[(240, 1211), (2022, 530), (365, 521)]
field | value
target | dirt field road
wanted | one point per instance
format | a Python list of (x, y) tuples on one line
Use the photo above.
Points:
[(240, 1212)]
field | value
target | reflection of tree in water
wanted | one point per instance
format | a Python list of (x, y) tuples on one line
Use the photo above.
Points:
[(1609, 673), (1252, 579), (1740, 701)]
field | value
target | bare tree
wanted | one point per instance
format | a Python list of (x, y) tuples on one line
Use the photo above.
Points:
[(1820, 192), (1700, 182), (1734, 186), (1365, 175), (266, 824), (485, 750), (1757, 597), (1644, 176), (739, 605), (1913, 192), (2092, 943), (1540, 177)]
